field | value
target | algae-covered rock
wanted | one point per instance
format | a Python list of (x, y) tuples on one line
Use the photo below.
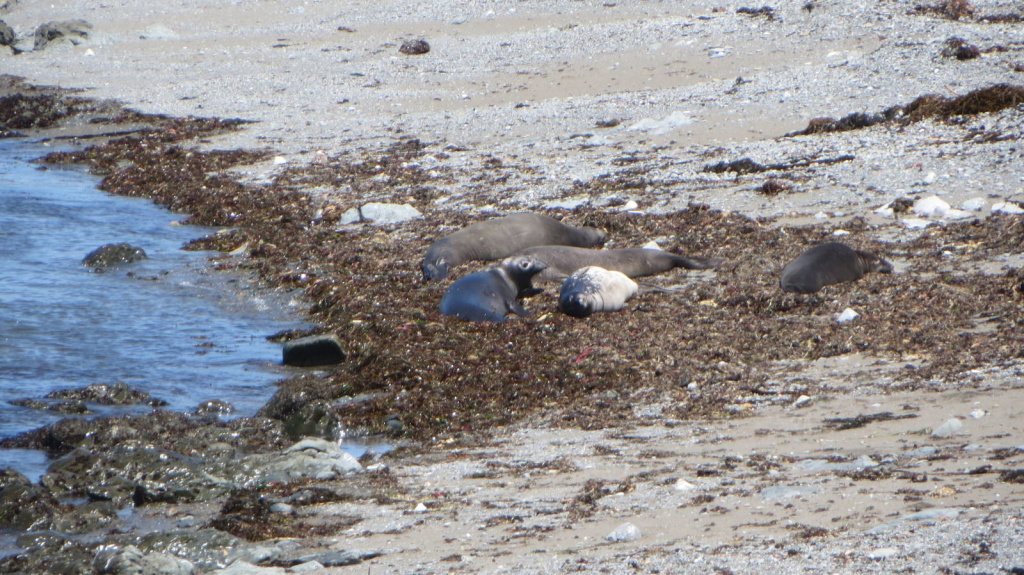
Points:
[(25, 506), (110, 255)]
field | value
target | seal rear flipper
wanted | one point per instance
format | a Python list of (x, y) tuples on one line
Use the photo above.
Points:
[(697, 263)]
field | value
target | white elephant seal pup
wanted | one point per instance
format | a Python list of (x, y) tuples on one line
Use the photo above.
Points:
[(592, 289), (501, 237), (828, 264), (491, 294), (634, 262)]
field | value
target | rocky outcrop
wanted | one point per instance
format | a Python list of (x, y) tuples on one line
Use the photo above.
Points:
[(109, 255), (74, 31)]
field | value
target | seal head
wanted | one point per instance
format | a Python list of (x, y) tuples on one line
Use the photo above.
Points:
[(492, 294), (592, 289)]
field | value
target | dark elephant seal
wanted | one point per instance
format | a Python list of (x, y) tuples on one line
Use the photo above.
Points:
[(490, 295), (501, 237), (593, 289), (828, 264), (634, 262)]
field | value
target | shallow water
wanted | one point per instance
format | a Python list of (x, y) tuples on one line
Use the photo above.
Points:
[(166, 325)]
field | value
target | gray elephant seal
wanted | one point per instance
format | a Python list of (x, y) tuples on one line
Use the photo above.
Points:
[(593, 289), (828, 264), (634, 262), (501, 237), (491, 294)]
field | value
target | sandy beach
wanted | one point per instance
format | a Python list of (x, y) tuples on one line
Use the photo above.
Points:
[(737, 429)]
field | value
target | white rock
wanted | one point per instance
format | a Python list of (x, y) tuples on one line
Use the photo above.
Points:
[(663, 126), (278, 160), (628, 206), (931, 207), (847, 315), (802, 401), (1007, 208), (978, 413), (624, 532), (915, 223), (652, 245), (955, 214), (307, 566), (973, 205), (883, 553), (683, 485), (420, 508), (821, 216), (351, 216), (948, 429), (379, 213), (929, 178)]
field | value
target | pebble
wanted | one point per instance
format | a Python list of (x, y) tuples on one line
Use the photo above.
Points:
[(652, 245), (973, 205), (624, 532), (684, 485), (847, 315), (948, 429), (802, 401)]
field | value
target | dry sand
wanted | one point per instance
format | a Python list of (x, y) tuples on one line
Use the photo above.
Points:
[(529, 82)]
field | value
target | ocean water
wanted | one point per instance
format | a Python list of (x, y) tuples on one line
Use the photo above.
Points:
[(166, 325)]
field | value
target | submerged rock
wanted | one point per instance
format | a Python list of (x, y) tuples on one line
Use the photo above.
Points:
[(105, 394), (109, 255), (130, 560), (25, 506)]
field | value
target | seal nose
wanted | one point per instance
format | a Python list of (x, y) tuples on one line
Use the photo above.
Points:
[(575, 306)]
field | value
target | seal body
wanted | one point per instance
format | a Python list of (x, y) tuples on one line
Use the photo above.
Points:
[(501, 237), (491, 294), (634, 262), (592, 289), (828, 264)]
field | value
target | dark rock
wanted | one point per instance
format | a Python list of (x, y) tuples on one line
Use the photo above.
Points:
[(214, 407), (314, 350), (110, 255), (87, 517), (414, 47), (74, 31), (315, 419), (104, 394), (959, 48), (73, 407), (51, 554), (7, 35), (23, 505), (339, 558)]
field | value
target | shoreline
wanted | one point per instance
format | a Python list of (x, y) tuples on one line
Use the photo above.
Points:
[(705, 416)]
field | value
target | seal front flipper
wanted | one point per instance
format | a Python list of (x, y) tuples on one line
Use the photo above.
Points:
[(517, 308)]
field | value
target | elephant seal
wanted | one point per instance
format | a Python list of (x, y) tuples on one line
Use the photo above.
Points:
[(501, 237), (593, 289), (828, 264), (491, 294), (634, 262)]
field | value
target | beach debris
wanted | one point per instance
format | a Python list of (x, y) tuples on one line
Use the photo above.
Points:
[(948, 429), (109, 255), (74, 31), (415, 47), (623, 533), (314, 350)]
